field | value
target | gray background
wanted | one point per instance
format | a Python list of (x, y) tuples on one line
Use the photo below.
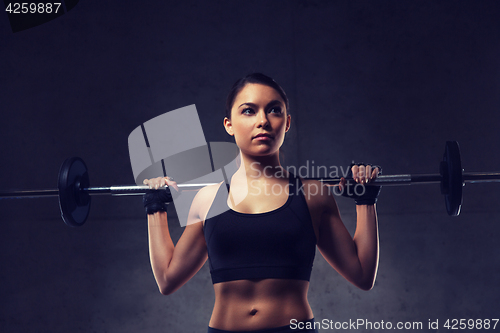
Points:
[(381, 81)]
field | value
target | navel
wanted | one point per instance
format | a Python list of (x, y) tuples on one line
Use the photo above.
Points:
[(253, 312)]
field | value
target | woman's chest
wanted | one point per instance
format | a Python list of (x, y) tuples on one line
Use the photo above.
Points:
[(255, 199)]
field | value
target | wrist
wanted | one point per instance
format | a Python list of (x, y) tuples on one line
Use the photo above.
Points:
[(365, 202), (364, 208), (156, 201), (155, 207), (158, 219)]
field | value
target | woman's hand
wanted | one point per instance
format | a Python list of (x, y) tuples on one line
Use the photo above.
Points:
[(362, 174), (156, 183), (155, 201)]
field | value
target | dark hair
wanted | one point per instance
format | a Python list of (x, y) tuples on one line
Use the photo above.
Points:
[(258, 78)]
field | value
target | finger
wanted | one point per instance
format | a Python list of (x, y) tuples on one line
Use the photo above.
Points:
[(362, 174), (355, 171), (173, 184), (149, 182), (368, 172), (375, 173), (163, 181), (341, 184)]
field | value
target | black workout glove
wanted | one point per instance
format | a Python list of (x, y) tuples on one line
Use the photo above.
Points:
[(362, 195), (156, 200)]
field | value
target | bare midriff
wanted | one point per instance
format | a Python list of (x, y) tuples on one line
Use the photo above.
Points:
[(246, 305)]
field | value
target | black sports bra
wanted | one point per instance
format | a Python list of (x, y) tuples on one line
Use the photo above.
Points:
[(279, 244)]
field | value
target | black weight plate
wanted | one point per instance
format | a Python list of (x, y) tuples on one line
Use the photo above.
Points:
[(452, 176), (74, 203)]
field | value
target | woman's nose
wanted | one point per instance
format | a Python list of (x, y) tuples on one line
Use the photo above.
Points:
[(262, 119)]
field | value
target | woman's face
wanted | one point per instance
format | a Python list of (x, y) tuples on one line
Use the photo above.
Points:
[(259, 120)]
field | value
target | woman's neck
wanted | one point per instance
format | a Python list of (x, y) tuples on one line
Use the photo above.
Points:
[(258, 167)]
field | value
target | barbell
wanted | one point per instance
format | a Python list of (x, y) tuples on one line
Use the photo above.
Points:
[(74, 189)]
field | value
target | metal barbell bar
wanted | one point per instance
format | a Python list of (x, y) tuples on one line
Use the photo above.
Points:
[(382, 180), (111, 190), (74, 190)]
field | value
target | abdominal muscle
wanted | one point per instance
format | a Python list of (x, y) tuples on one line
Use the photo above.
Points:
[(247, 305)]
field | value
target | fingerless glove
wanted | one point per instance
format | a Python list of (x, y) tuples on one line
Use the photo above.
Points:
[(362, 194), (156, 200)]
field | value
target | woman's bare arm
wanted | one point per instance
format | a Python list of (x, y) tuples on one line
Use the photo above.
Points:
[(355, 258), (173, 265)]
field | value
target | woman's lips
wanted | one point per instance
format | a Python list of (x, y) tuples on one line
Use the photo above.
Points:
[(263, 137)]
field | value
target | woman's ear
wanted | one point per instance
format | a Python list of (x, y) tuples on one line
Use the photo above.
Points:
[(228, 126), (288, 120)]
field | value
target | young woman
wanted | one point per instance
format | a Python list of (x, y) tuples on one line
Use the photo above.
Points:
[(261, 248)]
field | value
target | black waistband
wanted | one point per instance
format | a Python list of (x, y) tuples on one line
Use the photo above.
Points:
[(282, 329)]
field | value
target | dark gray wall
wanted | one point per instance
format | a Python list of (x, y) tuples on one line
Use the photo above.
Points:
[(386, 82)]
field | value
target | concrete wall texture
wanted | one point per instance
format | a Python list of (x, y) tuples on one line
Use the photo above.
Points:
[(386, 82)]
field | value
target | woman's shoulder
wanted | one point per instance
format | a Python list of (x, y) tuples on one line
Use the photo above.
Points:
[(208, 192), (315, 192), (203, 200)]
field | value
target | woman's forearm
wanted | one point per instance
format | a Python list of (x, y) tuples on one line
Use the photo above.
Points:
[(367, 243), (161, 247)]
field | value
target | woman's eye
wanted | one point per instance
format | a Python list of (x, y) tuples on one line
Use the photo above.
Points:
[(247, 111), (275, 109)]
